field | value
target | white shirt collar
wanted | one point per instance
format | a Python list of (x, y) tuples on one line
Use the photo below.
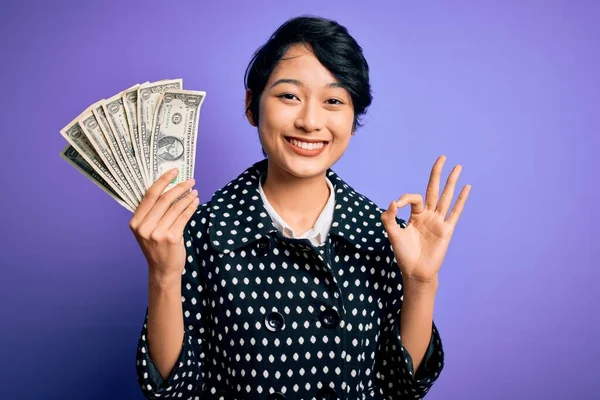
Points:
[(318, 233)]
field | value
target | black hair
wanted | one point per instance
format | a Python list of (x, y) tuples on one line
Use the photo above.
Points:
[(333, 46)]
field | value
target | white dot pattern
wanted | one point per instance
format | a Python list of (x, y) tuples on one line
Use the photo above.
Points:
[(272, 317)]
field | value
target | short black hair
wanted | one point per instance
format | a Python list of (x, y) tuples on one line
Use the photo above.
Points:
[(333, 46)]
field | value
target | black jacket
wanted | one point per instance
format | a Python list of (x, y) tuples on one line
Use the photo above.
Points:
[(269, 317)]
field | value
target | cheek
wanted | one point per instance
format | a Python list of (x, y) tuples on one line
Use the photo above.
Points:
[(340, 125), (275, 117)]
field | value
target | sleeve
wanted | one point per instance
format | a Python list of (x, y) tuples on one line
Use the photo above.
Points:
[(394, 370), (187, 374)]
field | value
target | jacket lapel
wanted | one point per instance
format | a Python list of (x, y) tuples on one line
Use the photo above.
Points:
[(238, 216)]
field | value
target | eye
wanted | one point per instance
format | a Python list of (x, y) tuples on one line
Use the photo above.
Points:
[(287, 96), (334, 101)]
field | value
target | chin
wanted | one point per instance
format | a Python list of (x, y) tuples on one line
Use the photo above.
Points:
[(307, 169), (302, 167)]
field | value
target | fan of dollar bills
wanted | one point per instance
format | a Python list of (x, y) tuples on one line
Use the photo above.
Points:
[(125, 143)]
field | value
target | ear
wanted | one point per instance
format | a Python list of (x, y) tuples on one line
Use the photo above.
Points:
[(249, 115)]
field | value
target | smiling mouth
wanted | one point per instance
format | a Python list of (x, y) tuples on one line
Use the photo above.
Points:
[(306, 145)]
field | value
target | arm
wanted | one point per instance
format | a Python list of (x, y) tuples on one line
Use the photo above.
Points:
[(408, 329), (170, 356), (165, 321), (417, 318), (419, 247), (164, 226)]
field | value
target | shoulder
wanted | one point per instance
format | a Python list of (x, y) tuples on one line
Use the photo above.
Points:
[(235, 203), (221, 199), (198, 225)]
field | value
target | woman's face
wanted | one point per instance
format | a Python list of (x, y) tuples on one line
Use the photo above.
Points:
[(305, 117)]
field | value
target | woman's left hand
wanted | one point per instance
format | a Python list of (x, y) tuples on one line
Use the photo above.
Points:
[(420, 248)]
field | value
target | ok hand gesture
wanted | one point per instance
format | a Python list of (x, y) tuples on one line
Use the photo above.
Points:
[(421, 247)]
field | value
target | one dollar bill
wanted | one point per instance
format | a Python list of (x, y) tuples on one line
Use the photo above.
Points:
[(173, 141), (147, 99)]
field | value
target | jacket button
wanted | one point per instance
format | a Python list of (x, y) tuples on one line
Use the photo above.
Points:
[(327, 393), (276, 396), (338, 246), (330, 318), (264, 245), (274, 321)]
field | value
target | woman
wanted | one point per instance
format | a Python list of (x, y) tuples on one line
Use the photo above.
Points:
[(288, 283)]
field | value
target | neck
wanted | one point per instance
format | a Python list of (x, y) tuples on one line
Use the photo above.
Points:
[(299, 201)]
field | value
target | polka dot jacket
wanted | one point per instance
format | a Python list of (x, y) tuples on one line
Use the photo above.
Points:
[(271, 317)]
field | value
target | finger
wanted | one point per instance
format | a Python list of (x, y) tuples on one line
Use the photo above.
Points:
[(165, 201), (414, 199), (151, 196), (448, 193), (433, 188), (184, 217), (388, 217), (175, 210), (459, 205)]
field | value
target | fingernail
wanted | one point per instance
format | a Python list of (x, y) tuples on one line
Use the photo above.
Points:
[(174, 171)]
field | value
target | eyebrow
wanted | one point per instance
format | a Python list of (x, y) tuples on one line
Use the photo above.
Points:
[(298, 83)]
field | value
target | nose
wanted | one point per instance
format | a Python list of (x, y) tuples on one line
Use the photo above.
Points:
[(310, 117)]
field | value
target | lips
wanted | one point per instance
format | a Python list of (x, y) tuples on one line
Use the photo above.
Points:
[(306, 147)]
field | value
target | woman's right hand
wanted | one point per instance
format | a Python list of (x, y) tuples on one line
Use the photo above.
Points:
[(158, 225)]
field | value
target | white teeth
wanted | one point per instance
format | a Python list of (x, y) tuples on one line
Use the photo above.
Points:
[(307, 146)]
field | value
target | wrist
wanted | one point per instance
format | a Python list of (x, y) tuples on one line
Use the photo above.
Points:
[(417, 286), (163, 280)]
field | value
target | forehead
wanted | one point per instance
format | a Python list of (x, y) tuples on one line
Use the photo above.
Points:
[(299, 62)]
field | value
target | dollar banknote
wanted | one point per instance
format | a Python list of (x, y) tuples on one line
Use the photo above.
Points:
[(130, 104), (91, 128), (73, 157), (173, 141), (147, 98), (126, 142), (117, 119), (100, 115)]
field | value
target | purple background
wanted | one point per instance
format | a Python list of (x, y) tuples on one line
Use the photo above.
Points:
[(510, 90)]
